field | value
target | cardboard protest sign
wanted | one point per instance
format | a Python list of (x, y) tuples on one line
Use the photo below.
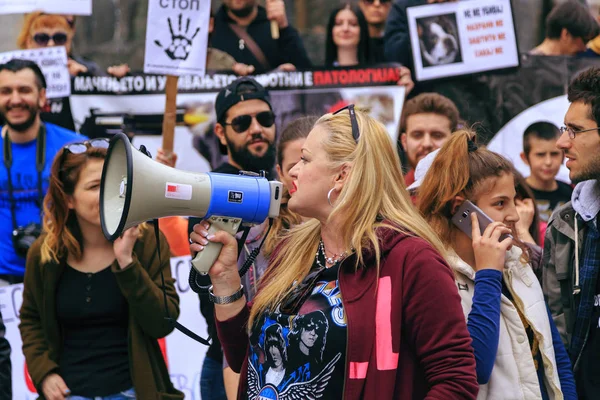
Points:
[(461, 38), (75, 7), (53, 63), (177, 37)]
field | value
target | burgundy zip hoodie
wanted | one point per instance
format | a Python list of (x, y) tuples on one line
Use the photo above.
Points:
[(407, 335)]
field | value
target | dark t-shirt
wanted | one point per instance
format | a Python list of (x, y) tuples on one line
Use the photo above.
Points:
[(547, 202), (93, 315), (296, 352)]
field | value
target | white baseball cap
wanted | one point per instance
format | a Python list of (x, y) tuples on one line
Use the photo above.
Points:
[(421, 170)]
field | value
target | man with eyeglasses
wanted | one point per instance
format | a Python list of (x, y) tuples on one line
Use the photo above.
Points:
[(246, 127), (28, 148), (376, 13), (572, 245)]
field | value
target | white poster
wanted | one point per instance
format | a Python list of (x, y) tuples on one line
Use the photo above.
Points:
[(177, 37), (75, 7), (505, 142), (53, 63), (459, 38), (184, 356)]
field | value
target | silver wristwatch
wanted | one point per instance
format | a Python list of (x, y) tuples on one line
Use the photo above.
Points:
[(225, 299)]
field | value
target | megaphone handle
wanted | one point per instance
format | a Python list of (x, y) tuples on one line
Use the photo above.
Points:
[(207, 257)]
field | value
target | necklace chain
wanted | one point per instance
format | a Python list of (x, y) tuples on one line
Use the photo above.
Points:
[(331, 261)]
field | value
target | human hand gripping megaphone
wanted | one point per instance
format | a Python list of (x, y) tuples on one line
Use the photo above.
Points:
[(134, 189)]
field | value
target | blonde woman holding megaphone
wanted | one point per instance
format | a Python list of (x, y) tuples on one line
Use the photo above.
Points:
[(358, 301)]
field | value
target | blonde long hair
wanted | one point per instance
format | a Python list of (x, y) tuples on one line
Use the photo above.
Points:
[(374, 196)]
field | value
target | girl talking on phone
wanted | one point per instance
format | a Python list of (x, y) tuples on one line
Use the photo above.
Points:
[(518, 350)]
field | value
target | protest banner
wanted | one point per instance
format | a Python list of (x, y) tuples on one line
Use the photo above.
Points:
[(460, 38), (184, 355), (101, 105), (53, 63), (74, 7)]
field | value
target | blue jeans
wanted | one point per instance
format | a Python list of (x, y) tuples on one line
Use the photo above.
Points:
[(211, 380), (125, 395)]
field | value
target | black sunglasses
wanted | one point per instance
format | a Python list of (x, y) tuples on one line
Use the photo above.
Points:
[(353, 121), (241, 123), (59, 38)]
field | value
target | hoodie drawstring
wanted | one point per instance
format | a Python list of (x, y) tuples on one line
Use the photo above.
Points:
[(576, 288)]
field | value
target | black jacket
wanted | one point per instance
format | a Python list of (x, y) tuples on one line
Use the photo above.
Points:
[(287, 49), (397, 37), (5, 365)]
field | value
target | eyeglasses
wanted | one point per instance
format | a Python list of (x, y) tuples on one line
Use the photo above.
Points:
[(81, 147), (353, 121), (59, 38), (371, 2), (573, 132), (241, 123)]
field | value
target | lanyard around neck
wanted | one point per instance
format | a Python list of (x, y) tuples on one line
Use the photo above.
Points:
[(40, 161)]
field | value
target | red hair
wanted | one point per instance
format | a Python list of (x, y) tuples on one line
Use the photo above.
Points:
[(63, 236), (37, 20)]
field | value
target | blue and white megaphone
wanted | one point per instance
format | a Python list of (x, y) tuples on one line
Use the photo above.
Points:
[(135, 189)]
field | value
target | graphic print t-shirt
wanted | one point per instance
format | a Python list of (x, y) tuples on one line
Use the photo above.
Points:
[(301, 355), (547, 202)]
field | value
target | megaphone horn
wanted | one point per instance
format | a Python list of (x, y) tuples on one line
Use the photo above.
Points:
[(134, 189)]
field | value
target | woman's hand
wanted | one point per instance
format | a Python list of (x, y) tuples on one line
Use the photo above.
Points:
[(169, 159), (119, 71), (224, 272), (490, 252), (242, 69), (526, 211), (54, 387), (75, 68), (123, 246), (406, 80)]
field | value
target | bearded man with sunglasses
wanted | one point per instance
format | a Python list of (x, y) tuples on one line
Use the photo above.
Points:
[(246, 128), (28, 148)]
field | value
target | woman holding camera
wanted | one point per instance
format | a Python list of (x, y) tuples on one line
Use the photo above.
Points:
[(363, 299), (518, 349), (93, 310)]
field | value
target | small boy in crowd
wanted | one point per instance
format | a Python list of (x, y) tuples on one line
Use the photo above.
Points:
[(544, 159)]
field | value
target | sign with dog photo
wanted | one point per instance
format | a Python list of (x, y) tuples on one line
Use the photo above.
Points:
[(461, 38)]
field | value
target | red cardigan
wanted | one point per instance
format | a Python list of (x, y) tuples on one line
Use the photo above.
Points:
[(407, 335)]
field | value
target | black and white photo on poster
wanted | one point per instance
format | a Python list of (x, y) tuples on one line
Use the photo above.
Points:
[(439, 40)]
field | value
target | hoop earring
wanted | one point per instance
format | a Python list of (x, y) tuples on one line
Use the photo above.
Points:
[(329, 196)]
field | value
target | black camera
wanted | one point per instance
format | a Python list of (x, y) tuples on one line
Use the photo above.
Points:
[(24, 236)]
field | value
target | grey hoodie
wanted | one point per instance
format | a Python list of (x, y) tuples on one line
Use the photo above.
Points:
[(586, 199)]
